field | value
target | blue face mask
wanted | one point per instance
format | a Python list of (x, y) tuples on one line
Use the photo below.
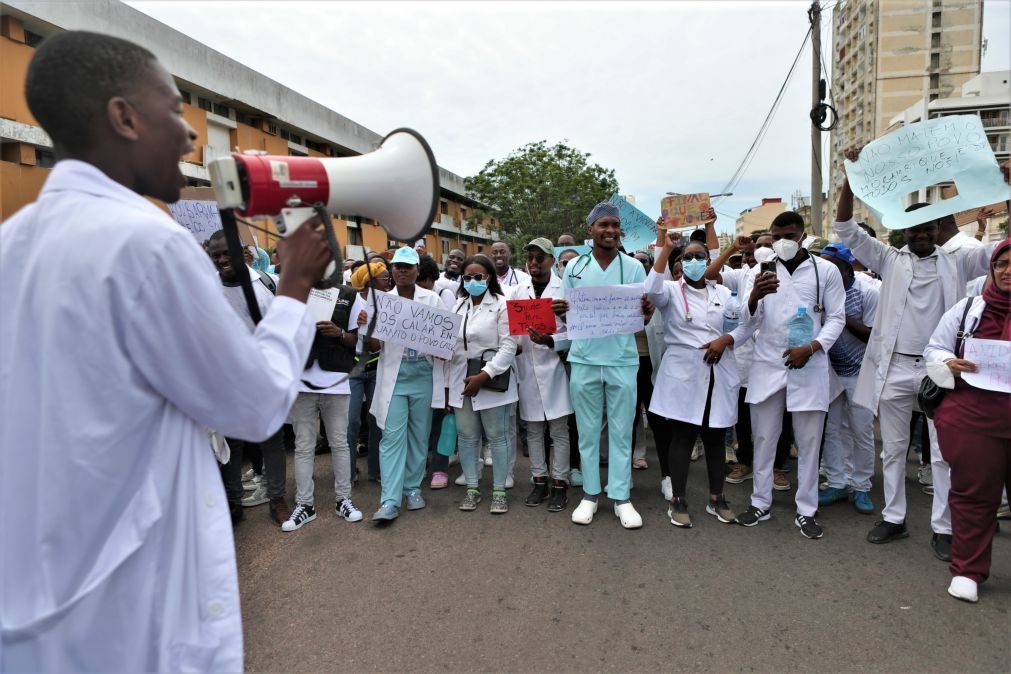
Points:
[(476, 287), (694, 269)]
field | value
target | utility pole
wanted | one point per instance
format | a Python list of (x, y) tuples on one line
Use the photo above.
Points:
[(816, 98)]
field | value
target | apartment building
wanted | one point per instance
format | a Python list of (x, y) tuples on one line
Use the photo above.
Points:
[(229, 106), (889, 54), (759, 218)]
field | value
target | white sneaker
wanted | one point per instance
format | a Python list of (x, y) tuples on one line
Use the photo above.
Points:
[(925, 476), (584, 512), (256, 497), (666, 489), (697, 450), (346, 510), (630, 518), (251, 483), (248, 475), (730, 454), (487, 456), (510, 482), (455, 459), (963, 588), (461, 481)]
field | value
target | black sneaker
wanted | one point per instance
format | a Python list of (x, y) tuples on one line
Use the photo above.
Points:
[(302, 515), (885, 532), (941, 543), (558, 498), (809, 527), (539, 492), (753, 516)]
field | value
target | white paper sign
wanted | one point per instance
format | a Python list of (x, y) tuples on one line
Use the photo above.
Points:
[(953, 148), (200, 217), (603, 311), (993, 358), (415, 325), (321, 303)]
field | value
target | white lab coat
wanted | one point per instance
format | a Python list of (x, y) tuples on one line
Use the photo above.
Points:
[(942, 341), (807, 389), (683, 381), (117, 350), (543, 384), (487, 327), (389, 366), (895, 266)]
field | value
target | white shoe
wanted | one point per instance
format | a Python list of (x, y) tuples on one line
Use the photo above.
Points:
[(510, 482), (256, 497), (626, 512), (730, 454), (461, 481), (346, 510), (666, 489), (248, 475), (487, 456), (963, 588), (455, 459), (583, 514), (697, 450), (925, 476), (252, 482)]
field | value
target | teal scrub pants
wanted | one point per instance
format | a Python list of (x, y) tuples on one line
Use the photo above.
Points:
[(589, 387), (404, 448)]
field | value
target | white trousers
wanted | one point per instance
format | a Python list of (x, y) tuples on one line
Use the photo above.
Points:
[(849, 441), (766, 425), (895, 410)]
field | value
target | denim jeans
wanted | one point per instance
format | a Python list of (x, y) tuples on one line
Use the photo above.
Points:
[(362, 390), (494, 423)]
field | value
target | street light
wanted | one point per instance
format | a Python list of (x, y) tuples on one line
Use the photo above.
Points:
[(711, 196)]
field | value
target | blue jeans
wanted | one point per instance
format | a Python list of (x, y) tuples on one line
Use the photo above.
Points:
[(495, 424), (362, 390)]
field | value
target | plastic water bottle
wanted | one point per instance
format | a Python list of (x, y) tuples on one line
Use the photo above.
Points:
[(801, 329), (731, 314)]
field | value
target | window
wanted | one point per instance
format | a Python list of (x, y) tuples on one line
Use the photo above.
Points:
[(33, 39), (285, 135), (935, 80), (935, 61), (44, 158), (221, 110), (445, 248), (354, 237), (444, 208), (272, 128), (243, 118), (185, 95), (204, 104), (935, 20), (317, 147), (935, 41), (295, 138)]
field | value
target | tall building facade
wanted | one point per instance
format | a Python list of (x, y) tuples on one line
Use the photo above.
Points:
[(229, 106), (889, 54)]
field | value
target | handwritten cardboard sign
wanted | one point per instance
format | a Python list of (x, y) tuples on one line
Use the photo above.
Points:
[(921, 155), (993, 358), (415, 325), (603, 311), (684, 210), (202, 218), (536, 314), (638, 229)]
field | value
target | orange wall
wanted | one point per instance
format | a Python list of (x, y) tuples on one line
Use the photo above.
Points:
[(248, 138), (196, 118), (19, 185), (15, 57)]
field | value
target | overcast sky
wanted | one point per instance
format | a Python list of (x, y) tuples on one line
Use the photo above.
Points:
[(669, 94)]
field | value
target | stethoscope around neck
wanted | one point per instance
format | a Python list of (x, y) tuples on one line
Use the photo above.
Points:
[(818, 306), (684, 298)]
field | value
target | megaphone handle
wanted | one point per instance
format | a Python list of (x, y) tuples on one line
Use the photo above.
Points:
[(239, 264), (335, 269)]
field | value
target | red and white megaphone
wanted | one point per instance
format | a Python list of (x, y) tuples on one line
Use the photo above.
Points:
[(397, 185)]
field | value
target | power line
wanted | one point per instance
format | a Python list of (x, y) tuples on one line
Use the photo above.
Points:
[(743, 166)]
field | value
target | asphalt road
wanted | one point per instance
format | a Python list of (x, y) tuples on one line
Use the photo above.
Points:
[(444, 590)]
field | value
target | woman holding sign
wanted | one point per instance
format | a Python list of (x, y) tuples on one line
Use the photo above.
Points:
[(699, 350), (403, 399), (481, 381), (972, 422)]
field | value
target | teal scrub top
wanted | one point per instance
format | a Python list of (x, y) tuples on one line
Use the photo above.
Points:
[(616, 350)]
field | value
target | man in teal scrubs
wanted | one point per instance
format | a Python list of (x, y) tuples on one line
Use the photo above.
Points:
[(604, 369)]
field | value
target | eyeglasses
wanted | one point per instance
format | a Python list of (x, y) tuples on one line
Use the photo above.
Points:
[(474, 277), (694, 256), (1000, 265), (536, 258)]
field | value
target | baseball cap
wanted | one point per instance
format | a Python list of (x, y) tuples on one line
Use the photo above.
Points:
[(817, 246), (542, 243), (839, 251), (405, 255)]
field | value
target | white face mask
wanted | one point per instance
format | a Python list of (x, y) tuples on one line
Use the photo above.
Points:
[(785, 249), (763, 255)]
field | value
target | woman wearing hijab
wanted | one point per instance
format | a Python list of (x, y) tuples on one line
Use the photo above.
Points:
[(972, 424)]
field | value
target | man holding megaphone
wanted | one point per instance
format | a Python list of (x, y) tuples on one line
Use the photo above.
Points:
[(118, 351)]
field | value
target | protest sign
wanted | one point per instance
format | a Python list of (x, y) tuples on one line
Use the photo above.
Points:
[(993, 359), (602, 311), (638, 229), (536, 314), (684, 210), (321, 304), (946, 149), (201, 218), (415, 325)]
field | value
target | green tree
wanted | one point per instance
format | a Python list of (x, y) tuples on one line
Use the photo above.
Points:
[(541, 190)]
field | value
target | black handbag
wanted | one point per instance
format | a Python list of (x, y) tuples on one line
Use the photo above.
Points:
[(930, 395), (498, 383)]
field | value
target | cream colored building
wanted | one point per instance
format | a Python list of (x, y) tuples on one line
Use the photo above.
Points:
[(758, 218), (890, 54)]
